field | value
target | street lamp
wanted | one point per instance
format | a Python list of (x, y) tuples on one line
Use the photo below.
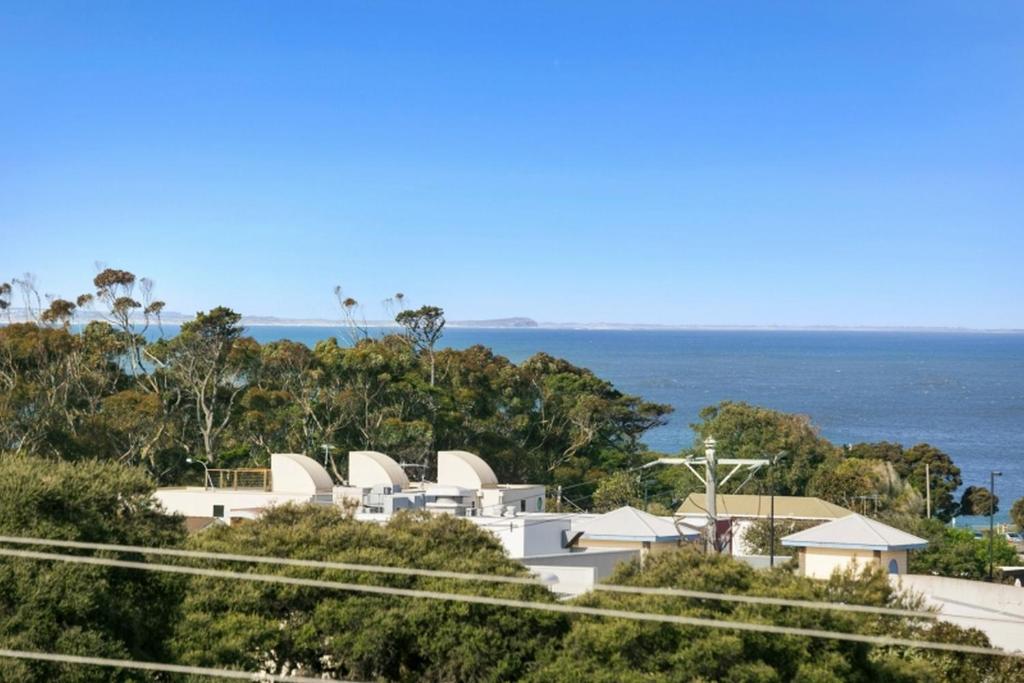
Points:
[(207, 483), (991, 518), (327, 452)]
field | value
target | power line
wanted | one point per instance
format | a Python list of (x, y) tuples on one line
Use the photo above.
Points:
[(519, 604), (496, 578), (158, 666)]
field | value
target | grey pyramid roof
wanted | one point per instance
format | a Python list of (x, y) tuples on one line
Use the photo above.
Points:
[(854, 532), (629, 524)]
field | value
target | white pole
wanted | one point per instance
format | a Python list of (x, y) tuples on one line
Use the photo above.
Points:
[(928, 489), (712, 494)]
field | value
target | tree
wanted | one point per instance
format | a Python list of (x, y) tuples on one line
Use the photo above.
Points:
[(978, 500), (423, 327), (746, 431), (76, 609), (297, 630), (954, 552), (846, 481), (1017, 513), (116, 290), (206, 369), (758, 535), (621, 650), (616, 490), (911, 464), (5, 300)]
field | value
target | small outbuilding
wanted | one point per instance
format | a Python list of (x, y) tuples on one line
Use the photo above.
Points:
[(630, 529), (854, 540)]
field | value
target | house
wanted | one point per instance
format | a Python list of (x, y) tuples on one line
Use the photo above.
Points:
[(629, 529), (853, 540), (246, 493), (740, 512)]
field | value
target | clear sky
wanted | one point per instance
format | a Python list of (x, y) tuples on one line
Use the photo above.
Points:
[(857, 163)]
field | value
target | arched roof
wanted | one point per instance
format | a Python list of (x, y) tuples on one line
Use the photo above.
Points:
[(295, 473), (370, 468), (461, 468)]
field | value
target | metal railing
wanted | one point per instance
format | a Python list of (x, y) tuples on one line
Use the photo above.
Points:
[(254, 478)]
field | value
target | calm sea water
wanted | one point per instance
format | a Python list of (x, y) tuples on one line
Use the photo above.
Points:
[(961, 392)]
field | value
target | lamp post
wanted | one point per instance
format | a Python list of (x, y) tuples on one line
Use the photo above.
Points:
[(992, 518), (207, 482)]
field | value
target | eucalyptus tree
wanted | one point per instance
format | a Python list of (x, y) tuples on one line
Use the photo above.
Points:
[(5, 300), (132, 317), (423, 327), (206, 368)]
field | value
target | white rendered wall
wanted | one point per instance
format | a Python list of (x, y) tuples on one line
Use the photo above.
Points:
[(999, 606), (494, 499), (525, 537), (198, 502)]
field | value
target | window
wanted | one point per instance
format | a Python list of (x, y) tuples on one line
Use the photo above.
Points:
[(522, 505), (218, 511), (894, 567)]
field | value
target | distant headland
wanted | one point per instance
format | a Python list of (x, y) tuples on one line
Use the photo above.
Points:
[(523, 322)]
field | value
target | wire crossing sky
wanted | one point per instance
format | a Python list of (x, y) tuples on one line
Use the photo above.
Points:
[(678, 163)]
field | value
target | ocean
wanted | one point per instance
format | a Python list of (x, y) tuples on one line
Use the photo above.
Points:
[(961, 392)]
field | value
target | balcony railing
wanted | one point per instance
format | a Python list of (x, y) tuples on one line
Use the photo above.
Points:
[(252, 478)]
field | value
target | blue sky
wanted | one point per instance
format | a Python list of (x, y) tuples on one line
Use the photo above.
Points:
[(852, 163)]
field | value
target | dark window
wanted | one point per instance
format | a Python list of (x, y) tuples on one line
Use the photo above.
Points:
[(522, 505), (218, 511)]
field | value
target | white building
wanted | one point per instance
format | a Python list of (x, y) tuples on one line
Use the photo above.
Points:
[(246, 494), (854, 540), (630, 529)]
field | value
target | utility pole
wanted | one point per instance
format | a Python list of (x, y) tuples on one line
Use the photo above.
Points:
[(928, 489), (771, 522), (711, 481), (991, 518), (712, 493)]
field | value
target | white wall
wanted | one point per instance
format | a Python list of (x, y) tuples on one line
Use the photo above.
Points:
[(493, 500), (523, 536), (604, 561), (199, 502), (960, 599)]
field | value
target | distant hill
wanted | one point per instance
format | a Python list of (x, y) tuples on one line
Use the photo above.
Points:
[(176, 318)]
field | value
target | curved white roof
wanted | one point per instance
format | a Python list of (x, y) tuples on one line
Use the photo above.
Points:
[(370, 468), (295, 473), (462, 468)]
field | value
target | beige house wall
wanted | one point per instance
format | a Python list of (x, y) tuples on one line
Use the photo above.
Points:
[(645, 547), (820, 563)]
